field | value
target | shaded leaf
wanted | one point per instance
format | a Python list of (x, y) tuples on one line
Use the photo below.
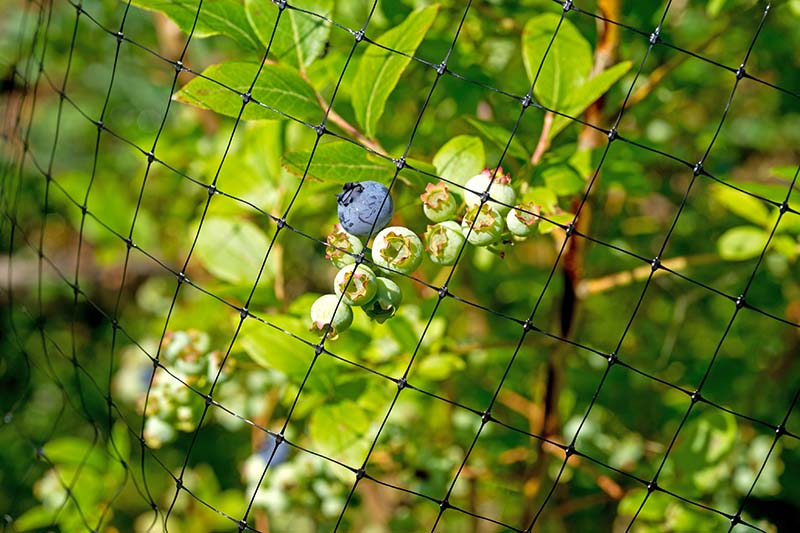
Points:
[(460, 158), (219, 17), (379, 70), (278, 86)]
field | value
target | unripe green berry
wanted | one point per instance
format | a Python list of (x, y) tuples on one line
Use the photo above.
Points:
[(488, 225), (339, 244), (438, 203), (362, 286), (397, 248), (443, 242), (521, 220), (322, 314), (386, 301), (500, 190)]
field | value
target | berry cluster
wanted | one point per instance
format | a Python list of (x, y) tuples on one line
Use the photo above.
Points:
[(366, 207), (488, 220), (171, 405)]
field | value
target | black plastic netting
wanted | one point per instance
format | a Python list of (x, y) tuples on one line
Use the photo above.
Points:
[(169, 175)]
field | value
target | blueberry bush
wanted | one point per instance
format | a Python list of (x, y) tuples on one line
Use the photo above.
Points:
[(400, 265)]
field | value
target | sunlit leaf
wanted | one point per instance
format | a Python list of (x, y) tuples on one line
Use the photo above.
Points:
[(379, 70), (741, 242), (232, 250), (300, 37), (218, 17), (279, 87), (460, 158), (566, 65), (500, 136)]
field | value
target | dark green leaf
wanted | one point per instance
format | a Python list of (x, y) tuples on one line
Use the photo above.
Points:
[(300, 38), (217, 17), (278, 86), (379, 70)]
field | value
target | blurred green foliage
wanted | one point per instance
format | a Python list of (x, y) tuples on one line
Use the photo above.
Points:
[(62, 434)]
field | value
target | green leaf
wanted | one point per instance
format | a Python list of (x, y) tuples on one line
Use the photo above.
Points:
[(499, 136), (543, 197), (439, 366), (217, 17), (300, 38), (460, 158), (567, 64), (73, 451), (275, 349), (379, 70), (340, 162), (559, 218), (584, 95), (232, 250), (742, 242), (278, 86), (35, 518), (715, 6), (340, 430), (747, 207), (562, 180)]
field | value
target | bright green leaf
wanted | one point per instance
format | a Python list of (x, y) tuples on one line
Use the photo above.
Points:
[(543, 197), (73, 451), (300, 38), (567, 64), (559, 218), (747, 207), (35, 518), (218, 17), (584, 95), (460, 158), (275, 349), (715, 6), (379, 70), (278, 86), (741, 242), (232, 250), (340, 430), (439, 366), (563, 180), (499, 136)]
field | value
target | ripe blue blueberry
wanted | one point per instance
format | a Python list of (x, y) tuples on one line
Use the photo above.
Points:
[(361, 205)]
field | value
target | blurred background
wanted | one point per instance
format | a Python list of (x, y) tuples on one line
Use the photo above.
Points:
[(98, 223)]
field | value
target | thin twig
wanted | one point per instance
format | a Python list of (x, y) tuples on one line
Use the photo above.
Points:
[(544, 138), (594, 286)]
